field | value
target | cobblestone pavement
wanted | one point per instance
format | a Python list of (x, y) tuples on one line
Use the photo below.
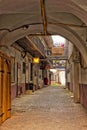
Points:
[(50, 108)]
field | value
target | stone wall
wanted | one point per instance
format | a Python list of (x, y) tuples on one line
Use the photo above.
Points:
[(82, 79), (19, 77), (83, 94), (83, 87)]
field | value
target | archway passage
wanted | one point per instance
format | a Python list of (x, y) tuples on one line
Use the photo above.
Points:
[(27, 25)]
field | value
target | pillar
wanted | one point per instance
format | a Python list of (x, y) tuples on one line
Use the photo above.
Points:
[(76, 76)]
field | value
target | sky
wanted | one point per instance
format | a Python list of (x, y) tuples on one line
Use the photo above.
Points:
[(58, 40)]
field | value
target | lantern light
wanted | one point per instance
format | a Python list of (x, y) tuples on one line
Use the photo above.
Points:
[(36, 60)]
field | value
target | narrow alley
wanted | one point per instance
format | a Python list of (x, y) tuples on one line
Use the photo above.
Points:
[(50, 108)]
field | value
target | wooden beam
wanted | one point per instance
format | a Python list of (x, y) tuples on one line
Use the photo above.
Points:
[(35, 47), (43, 12), (40, 34)]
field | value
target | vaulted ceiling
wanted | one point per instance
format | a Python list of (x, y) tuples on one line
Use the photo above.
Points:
[(42, 13)]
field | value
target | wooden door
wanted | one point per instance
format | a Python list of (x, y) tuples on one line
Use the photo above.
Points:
[(9, 90), (1, 88), (5, 88), (5, 100)]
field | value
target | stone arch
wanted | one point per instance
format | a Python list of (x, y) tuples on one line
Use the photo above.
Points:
[(68, 33)]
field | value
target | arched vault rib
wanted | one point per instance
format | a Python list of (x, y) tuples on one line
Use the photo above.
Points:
[(68, 33)]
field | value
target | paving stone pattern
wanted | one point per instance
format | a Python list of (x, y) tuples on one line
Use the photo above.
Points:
[(50, 108)]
